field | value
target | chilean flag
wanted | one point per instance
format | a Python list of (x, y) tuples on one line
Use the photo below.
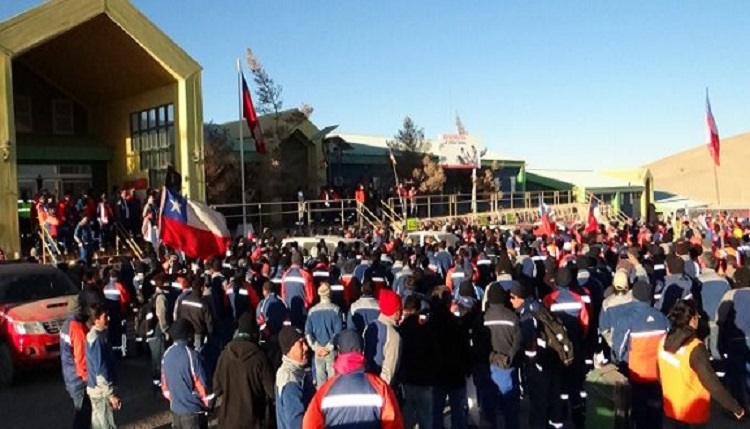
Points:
[(546, 228), (713, 133), (248, 112), (192, 227)]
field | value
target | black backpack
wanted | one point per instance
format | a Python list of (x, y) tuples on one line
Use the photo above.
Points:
[(555, 336)]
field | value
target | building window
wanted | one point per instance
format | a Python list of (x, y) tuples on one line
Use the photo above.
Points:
[(23, 114), (152, 137), (62, 117)]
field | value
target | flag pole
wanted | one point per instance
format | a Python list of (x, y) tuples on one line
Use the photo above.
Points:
[(716, 184), (242, 148)]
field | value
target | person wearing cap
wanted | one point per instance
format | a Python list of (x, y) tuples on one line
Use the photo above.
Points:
[(677, 285), (244, 381), (184, 382), (541, 365), (158, 318), (733, 320), (382, 341), (572, 311), (353, 398), (322, 325), (294, 387), (504, 331), (638, 329), (619, 294)]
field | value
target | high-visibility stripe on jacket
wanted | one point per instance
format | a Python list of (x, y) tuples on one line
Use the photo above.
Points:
[(73, 352), (354, 400), (685, 398), (183, 380)]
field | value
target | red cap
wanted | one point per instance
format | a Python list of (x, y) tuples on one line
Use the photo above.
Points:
[(389, 302)]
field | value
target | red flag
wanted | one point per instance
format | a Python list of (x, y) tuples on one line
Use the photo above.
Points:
[(192, 227), (546, 228), (248, 112), (713, 133), (593, 225)]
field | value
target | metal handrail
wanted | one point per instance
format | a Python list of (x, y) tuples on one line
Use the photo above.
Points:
[(123, 235), (366, 214), (49, 246)]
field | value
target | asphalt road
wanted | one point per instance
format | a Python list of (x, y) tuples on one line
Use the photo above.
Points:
[(39, 400)]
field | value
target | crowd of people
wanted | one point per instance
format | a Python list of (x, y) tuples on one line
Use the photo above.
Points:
[(383, 332)]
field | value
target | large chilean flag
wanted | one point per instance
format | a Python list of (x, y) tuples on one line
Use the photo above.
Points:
[(192, 227)]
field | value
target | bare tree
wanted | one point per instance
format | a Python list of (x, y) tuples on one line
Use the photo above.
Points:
[(274, 168), (222, 166), (430, 177)]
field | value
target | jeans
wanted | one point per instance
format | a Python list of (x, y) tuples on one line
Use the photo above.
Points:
[(458, 402), (81, 409), (190, 421), (102, 416), (504, 398), (418, 404), (323, 368)]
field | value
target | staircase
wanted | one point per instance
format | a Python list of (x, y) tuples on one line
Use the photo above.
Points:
[(607, 212)]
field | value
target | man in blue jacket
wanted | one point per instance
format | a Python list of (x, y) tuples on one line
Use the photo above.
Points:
[(183, 380), (713, 289), (677, 285), (100, 364), (294, 388), (323, 324)]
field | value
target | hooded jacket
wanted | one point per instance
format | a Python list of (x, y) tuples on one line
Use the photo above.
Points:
[(244, 381)]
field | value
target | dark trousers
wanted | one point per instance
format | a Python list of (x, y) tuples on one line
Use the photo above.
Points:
[(81, 409), (190, 421), (738, 375), (647, 405), (673, 424), (156, 346), (457, 400), (543, 386)]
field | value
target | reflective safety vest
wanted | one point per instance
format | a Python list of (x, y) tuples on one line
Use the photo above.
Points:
[(685, 398)]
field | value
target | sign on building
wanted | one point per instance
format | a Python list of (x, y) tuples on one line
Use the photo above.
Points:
[(459, 151)]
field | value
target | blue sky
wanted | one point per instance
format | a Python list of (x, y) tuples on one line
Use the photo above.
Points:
[(560, 84)]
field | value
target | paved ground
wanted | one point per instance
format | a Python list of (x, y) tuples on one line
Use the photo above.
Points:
[(39, 400)]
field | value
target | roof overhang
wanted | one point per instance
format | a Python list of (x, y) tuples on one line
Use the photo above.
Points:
[(118, 50)]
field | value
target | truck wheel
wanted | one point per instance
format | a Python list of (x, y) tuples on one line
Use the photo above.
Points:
[(6, 366)]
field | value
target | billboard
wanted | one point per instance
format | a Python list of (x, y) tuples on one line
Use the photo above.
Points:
[(459, 151)]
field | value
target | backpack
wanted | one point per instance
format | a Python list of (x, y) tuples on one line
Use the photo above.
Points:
[(553, 333)]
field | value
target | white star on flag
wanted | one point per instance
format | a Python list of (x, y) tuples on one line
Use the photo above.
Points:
[(176, 206)]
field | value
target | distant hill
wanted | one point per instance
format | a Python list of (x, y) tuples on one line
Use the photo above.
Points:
[(691, 174)]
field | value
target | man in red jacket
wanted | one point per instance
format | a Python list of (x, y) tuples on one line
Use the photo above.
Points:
[(353, 397)]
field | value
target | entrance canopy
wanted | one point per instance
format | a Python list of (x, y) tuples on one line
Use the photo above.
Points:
[(107, 57)]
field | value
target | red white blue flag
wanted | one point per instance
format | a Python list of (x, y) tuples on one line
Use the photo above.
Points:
[(593, 224), (714, 144), (192, 227)]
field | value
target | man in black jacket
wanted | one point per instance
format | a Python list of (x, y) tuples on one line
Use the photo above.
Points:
[(244, 381), (455, 364), (419, 353), (196, 309), (506, 339)]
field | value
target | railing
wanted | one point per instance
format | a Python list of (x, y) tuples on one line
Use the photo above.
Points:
[(608, 211), (49, 246), (123, 236), (344, 212)]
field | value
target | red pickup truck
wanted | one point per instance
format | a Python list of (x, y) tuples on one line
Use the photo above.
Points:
[(33, 302)]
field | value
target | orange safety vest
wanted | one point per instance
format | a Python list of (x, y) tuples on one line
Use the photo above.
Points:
[(685, 398)]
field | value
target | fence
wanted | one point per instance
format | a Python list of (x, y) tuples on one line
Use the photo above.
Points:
[(341, 213)]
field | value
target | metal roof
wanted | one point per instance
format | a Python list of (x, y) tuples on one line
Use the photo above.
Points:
[(588, 179)]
